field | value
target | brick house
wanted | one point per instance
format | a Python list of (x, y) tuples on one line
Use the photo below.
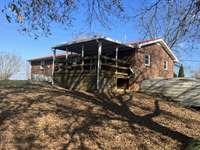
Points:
[(103, 64), (41, 68)]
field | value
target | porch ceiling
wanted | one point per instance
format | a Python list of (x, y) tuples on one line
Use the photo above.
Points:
[(91, 45)]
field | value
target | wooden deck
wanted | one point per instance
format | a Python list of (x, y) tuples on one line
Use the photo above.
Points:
[(117, 67)]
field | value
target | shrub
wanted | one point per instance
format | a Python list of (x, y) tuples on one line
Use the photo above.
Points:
[(181, 71)]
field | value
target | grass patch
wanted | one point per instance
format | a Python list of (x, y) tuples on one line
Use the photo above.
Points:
[(194, 145), (14, 83)]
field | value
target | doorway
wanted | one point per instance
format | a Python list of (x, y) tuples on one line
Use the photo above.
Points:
[(122, 83)]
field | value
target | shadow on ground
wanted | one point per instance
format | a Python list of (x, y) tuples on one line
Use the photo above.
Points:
[(38, 117)]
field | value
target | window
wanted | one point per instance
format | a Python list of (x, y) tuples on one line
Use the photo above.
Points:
[(42, 64), (165, 65), (74, 61), (147, 60)]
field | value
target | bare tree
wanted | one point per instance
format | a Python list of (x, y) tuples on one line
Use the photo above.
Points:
[(37, 16), (177, 21), (9, 65)]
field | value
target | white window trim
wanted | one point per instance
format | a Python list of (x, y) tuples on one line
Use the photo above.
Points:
[(165, 61), (149, 60)]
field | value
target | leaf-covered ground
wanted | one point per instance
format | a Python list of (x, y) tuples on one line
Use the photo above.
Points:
[(38, 116)]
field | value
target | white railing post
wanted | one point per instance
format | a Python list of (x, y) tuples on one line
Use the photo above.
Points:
[(116, 57), (116, 63), (66, 53), (53, 66), (82, 56), (99, 64)]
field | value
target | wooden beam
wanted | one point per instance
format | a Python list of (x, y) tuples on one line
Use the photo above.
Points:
[(53, 66), (99, 64)]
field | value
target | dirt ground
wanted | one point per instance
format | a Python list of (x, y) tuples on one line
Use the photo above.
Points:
[(37, 116)]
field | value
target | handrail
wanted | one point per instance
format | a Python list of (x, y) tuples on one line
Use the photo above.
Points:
[(103, 64), (116, 67), (113, 59), (95, 57), (122, 65), (90, 57)]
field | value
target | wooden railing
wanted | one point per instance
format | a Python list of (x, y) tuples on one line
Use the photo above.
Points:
[(90, 63)]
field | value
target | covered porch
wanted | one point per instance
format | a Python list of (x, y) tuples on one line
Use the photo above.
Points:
[(95, 55)]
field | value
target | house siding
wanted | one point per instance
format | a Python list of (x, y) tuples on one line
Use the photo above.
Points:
[(41, 74), (156, 69)]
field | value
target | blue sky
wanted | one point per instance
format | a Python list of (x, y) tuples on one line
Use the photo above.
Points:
[(13, 41)]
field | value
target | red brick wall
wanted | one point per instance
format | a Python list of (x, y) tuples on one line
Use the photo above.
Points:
[(36, 68), (156, 69)]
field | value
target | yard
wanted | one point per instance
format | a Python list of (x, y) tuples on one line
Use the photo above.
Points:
[(37, 116)]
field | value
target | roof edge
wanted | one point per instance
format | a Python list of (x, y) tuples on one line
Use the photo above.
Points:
[(51, 57), (164, 44), (90, 39)]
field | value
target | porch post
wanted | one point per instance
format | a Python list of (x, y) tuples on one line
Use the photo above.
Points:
[(116, 57), (53, 66), (116, 63), (66, 57), (99, 64), (29, 72), (82, 56)]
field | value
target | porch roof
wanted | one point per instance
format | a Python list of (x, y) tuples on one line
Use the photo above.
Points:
[(91, 45)]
